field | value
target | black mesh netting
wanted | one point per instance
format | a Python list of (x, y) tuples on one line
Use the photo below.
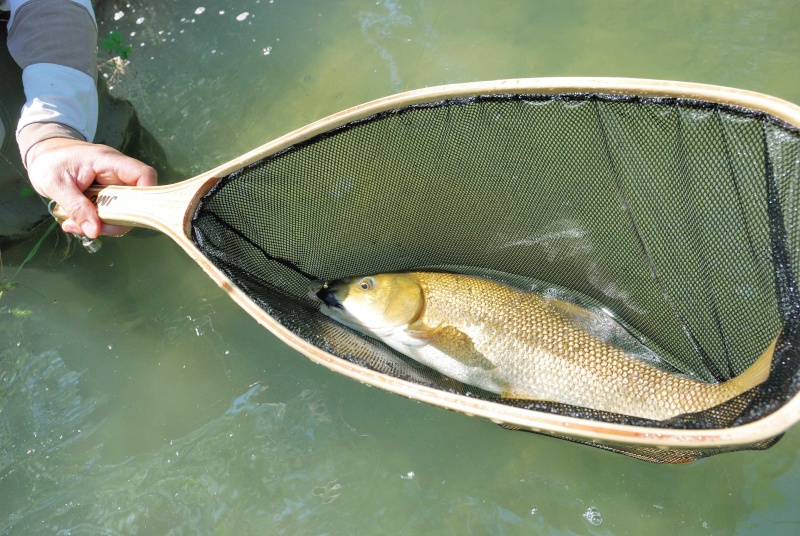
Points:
[(679, 216)]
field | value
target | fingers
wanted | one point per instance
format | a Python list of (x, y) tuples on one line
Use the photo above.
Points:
[(106, 229), (83, 217), (114, 230)]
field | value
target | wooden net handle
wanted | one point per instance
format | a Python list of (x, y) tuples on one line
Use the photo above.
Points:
[(165, 208)]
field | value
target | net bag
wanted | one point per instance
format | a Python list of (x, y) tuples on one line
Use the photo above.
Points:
[(672, 208)]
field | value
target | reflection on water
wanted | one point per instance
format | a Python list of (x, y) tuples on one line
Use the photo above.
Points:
[(390, 24), (136, 398), (257, 465), (43, 415)]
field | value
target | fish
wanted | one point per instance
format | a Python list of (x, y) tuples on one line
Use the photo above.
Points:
[(519, 344)]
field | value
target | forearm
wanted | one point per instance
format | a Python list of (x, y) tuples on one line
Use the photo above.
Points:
[(59, 69)]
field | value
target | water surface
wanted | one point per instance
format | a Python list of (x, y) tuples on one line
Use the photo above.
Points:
[(137, 398)]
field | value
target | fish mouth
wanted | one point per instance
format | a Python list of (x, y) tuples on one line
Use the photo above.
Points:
[(324, 293)]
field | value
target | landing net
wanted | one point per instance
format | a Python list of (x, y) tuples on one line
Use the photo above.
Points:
[(678, 216)]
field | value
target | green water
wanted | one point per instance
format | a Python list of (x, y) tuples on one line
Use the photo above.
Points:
[(136, 398)]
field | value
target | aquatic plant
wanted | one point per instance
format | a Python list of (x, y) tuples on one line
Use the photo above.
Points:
[(114, 43), (7, 284)]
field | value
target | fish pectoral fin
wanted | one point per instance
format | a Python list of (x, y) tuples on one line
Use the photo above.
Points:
[(420, 334), (452, 342), (458, 345)]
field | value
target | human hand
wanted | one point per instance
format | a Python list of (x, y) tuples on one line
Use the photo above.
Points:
[(62, 168)]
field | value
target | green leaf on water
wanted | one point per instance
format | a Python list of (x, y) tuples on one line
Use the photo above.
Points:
[(124, 52), (114, 43)]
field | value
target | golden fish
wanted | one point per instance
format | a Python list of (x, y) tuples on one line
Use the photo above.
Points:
[(519, 344)]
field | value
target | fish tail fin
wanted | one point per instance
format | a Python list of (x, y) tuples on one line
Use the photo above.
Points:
[(756, 373)]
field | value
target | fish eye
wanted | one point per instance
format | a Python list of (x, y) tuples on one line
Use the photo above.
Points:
[(367, 283)]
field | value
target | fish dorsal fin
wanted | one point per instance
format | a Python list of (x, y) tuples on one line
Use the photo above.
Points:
[(602, 326), (452, 342)]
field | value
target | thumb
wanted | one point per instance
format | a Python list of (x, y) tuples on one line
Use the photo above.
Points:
[(83, 218)]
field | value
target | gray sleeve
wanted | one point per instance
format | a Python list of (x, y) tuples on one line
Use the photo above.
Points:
[(62, 32)]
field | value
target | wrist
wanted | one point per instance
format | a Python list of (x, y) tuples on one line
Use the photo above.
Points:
[(32, 137)]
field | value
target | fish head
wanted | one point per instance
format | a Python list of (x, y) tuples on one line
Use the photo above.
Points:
[(375, 303)]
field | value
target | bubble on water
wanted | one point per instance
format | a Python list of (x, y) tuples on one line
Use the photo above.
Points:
[(140, 20), (221, 11), (241, 16), (408, 476), (199, 10), (593, 516), (118, 15), (534, 511), (266, 50)]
